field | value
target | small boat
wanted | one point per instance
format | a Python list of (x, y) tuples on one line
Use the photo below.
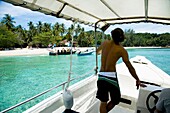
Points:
[(61, 53), (52, 53), (83, 53), (66, 53)]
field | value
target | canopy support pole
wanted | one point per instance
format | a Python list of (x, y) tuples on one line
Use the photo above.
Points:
[(146, 10), (95, 29)]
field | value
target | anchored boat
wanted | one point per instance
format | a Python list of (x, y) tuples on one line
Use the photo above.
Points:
[(100, 14), (84, 53)]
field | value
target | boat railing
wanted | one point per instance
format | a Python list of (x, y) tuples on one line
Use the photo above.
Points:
[(44, 92)]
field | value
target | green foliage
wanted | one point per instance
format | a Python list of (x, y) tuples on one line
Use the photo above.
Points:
[(7, 38), (45, 38), (8, 21), (43, 34), (146, 39)]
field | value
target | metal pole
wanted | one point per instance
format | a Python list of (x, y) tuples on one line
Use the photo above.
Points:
[(96, 69)]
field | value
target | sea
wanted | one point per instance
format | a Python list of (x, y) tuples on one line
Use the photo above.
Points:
[(22, 77)]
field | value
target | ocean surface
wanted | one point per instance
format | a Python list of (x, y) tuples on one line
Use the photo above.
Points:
[(22, 77)]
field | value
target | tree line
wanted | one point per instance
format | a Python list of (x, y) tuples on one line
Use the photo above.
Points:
[(43, 34)]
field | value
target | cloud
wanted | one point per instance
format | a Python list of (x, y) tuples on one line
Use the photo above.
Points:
[(6, 8), (143, 28), (22, 15)]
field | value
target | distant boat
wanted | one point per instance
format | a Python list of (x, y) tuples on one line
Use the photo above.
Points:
[(83, 53), (52, 53), (61, 53)]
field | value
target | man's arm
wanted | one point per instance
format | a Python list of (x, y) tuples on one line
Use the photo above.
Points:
[(131, 69), (99, 49)]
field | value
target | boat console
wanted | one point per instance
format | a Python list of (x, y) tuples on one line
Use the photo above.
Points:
[(148, 98)]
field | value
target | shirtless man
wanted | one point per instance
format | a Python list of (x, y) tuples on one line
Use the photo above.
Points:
[(111, 51)]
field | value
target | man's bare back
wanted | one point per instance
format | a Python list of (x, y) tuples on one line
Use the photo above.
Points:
[(110, 55)]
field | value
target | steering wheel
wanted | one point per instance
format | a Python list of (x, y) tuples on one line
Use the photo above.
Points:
[(152, 94)]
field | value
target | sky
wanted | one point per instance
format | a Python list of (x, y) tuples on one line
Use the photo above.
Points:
[(23, 16)]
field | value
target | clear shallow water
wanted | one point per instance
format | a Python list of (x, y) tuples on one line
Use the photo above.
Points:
[(22, 77)]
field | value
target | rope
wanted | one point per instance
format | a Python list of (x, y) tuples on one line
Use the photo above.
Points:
[(69, 74)]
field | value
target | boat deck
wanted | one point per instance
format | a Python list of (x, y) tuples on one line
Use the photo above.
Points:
[(89, 104), (89, 100), (120, 109)]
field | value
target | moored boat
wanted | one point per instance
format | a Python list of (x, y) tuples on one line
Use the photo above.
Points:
[(61, 53), (84, 53)]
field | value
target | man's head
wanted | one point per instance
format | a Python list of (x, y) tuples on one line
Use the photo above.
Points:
[(117, 35)]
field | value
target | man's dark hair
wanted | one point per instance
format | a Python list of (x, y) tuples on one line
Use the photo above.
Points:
[(117, 35)]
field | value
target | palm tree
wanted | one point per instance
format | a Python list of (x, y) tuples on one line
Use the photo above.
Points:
[(69, 34), (72, 29), (77, 30), (39, 27), (56, 29), (81, 37), (63, 30), (19, 30), (46, 27), (31, 33), (8, 21)]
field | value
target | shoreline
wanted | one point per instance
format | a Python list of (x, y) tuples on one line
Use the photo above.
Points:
[(45, 51)]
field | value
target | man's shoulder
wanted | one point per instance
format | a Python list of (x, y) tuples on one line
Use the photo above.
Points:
[(121, 48), (107, 41)]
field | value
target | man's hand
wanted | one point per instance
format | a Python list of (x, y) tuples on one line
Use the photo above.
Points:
[(138, 83)]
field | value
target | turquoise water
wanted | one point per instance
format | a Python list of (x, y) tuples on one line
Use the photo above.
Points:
[(22, 77)]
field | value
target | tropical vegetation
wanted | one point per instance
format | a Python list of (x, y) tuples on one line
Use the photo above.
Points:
[(43, 34)]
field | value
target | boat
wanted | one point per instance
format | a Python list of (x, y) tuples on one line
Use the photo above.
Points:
[(84, 53), (52, 53), (61, 53), (100, 14)]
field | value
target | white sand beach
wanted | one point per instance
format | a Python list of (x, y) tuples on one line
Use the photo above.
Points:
[(34, 51), (24, 51), (45, 51)]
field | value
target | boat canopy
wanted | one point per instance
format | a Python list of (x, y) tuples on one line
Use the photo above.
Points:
[(102, 12)]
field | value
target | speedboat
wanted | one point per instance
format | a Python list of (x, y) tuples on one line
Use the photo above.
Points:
[(84, 53), (100, 14)]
